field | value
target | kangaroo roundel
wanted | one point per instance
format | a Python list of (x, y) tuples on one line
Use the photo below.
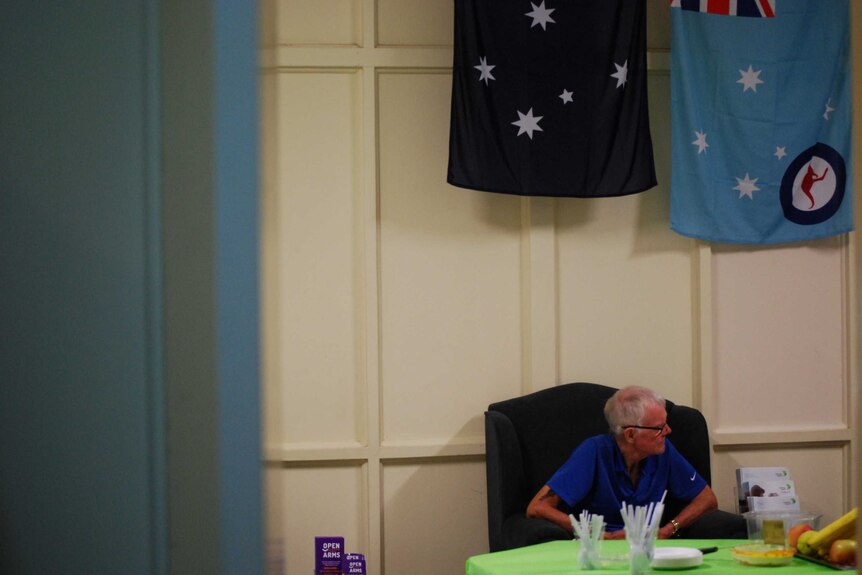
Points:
[(812, 188)]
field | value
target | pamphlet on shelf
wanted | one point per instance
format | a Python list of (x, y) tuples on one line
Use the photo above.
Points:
[(327, 555), (762, 482), (776, 503), (353, 564)]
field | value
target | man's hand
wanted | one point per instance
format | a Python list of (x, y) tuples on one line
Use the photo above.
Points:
[(621, 534), (700, 505)]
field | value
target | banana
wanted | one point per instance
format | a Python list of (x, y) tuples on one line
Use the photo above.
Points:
[(842, 528), (802, 543)]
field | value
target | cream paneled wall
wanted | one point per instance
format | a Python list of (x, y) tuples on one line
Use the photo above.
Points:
[(450, 324), (616, 258), (792, 292), (397, 307)]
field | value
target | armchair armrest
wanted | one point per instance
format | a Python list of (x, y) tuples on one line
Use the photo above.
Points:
[(520, 531), (717, 524), (505, 475)]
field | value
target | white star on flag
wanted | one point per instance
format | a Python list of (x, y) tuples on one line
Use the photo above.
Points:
[(746, 186), (780, 151), (485, 70), (750, 79), (527, 123), (828, 110), (566, 96), (621, 74), (700, 142), (541, 15)]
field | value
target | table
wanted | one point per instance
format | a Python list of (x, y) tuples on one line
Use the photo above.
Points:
[(561, 558)]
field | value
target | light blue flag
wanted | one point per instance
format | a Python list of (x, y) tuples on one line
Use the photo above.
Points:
[(761, 116)]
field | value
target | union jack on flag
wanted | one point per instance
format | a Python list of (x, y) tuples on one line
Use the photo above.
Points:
[(753, 8)]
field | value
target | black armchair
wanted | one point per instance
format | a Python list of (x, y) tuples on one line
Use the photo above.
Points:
[(527, 438)]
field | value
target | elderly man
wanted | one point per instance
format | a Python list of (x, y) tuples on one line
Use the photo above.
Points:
[(634, 464)]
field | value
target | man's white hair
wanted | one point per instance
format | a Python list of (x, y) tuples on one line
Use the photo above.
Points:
[(628, 405)]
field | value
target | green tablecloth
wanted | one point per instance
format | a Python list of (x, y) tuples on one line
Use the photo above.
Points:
[(561, 558)]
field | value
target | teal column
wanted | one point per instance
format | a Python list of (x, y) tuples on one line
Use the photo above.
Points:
[(82, 458), (210, 198), (237, 119), (129, 394)]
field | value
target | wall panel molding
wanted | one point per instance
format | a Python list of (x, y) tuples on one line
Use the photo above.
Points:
[(777, 438)]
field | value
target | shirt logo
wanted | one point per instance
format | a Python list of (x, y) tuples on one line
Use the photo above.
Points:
[(693, 475)]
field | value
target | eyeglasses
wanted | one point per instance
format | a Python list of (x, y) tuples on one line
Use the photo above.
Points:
[(658, 430)]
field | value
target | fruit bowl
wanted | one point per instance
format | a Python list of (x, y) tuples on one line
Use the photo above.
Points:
[(762, 554)]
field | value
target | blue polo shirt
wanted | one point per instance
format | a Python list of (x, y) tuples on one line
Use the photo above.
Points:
[(595, 478)]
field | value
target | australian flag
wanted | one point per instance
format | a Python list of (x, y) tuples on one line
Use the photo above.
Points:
[(761, 116), (549, 98)]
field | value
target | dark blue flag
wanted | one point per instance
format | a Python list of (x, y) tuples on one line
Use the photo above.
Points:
[(549, 98), (761, 116)]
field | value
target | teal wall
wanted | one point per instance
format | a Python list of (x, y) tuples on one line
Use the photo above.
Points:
[(112, 408)]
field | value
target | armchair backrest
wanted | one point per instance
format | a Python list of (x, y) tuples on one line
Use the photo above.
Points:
[(529, 437)]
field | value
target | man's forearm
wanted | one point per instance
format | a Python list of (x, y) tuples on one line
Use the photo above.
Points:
[(544, 505), (554, 516), (703, 503)]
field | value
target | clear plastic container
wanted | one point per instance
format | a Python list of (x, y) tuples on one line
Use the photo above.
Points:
[(773, 527)]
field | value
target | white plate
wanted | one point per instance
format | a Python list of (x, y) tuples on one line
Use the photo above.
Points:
[(676, 558)]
